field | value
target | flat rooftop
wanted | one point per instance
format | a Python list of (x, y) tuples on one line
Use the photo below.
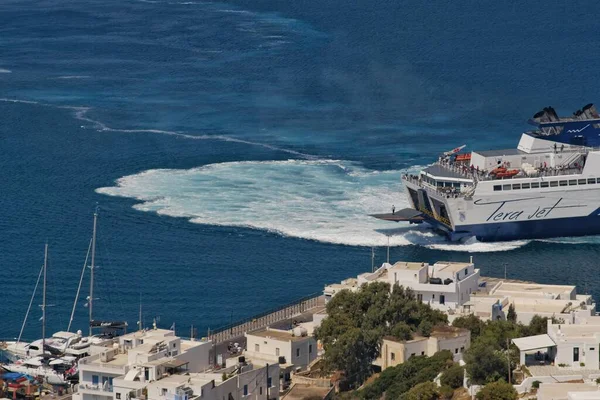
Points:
[(413, 266), (512, 287), (450, 266), (276, 334), (119, 360)]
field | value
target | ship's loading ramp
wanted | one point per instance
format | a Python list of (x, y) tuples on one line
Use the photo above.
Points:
[(405, 215)]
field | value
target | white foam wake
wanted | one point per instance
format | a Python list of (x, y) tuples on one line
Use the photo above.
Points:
[(324, 200), (5, 71)]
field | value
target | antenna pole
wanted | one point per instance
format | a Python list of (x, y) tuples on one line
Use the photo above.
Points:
[(140, 321), (44, 300), (373, 259), (91, 301), (388, 250)]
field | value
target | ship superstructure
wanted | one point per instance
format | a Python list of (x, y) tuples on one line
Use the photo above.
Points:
[(549, 186)]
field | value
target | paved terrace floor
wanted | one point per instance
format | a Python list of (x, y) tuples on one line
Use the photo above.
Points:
[(552, 370)]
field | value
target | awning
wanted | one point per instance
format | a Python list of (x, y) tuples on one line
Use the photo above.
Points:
[(175, 363), (132, 374), (534, 342)]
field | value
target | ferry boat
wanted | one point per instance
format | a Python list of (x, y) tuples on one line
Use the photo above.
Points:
[(549, 186)]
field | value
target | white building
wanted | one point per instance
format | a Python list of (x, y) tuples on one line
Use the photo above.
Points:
[(529, 299), (277, 346), (394, 351), (245, 381), (122, 370), (568, 391), (444, 285)]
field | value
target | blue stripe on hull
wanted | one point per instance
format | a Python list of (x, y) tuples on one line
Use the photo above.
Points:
[(539, 229)]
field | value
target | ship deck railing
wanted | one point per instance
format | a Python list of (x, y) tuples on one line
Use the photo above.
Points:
[(484, 175)]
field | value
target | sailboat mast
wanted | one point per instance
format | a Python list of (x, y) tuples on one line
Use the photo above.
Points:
[(44, 300), (91, 301)]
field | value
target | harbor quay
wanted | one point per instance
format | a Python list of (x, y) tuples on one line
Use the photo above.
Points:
[(275, 354)]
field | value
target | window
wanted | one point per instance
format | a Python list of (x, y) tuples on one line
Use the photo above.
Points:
[(277, 351), (591, 181), (462, 349), (575, 354), (392, 356), (270, 382), (110, 381), (174, 345), (535, 185), (422, 353), (412, 355), (553, 183), (505, 187), (433, 297), (516, 186), (455, 351), (298, 352), (419, 297), (497, 188), (562, 183), (95, 379), (257, 348), (573, 182), (525, 186), (260, 390), (466, 271), (582, 181), (591, 349), (310, 349), (164, 391), (442, 299), (543, 184), (118, 396), (245, 390)]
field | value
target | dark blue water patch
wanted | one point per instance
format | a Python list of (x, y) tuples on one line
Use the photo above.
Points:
[(388, 85)]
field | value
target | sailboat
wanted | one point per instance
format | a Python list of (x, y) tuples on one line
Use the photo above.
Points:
[(67, 342), (54, 370)]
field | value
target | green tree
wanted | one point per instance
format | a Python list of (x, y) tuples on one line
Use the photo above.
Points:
[(511, 315), (499, 390), (398, 380), (485, 362), (446, 392), (472, 323), (423, 391), (357, 321), (402, 331), (453, 376)]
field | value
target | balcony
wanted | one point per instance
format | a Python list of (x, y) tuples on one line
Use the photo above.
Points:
[(94, 389)]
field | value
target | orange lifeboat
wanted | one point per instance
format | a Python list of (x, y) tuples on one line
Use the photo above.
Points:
[(507, 174), (463, 157), (497, 171)]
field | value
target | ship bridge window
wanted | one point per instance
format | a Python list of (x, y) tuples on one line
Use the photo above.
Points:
[(497, 188), (505, 187), (591, 181), (535, 185), (525, 186), (562, 183), (516, 186), (553, 183), (581, 181), (543, 184), (573, 182)]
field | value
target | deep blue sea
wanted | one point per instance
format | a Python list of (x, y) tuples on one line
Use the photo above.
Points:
[(235, 148)]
